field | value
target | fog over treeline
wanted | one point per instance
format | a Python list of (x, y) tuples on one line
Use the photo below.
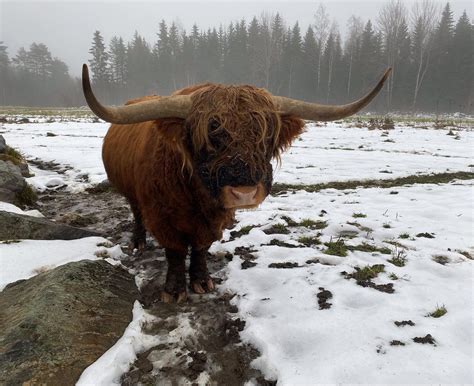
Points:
[(431, 55)]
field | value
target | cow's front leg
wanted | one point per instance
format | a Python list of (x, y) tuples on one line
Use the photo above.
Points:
[(175, 286), (200, 280), (139, 232)]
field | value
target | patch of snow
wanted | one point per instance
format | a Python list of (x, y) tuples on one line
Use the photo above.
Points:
[(7, 207), (335, 153), (22, 259), (55, 182), (75, 144)]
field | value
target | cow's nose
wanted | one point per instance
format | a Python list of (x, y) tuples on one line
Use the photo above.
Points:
[(244, 194), (240, 196)]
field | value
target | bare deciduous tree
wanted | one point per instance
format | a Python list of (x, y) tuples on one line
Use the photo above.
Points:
[(355, 27), (331, 53), (391, 19), (424, 17), (321, 32)]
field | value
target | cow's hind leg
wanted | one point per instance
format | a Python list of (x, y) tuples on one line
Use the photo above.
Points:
[(200, 280), (139, 232), (175, 286)]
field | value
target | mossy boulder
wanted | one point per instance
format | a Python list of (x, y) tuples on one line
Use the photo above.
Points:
[(57, 323), (12, 182)]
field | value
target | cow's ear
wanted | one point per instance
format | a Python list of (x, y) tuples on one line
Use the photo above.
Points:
[(291, 127), (173, 132), (171, 129)]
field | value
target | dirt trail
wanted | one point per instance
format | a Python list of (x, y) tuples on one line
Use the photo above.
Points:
[(200, 338)]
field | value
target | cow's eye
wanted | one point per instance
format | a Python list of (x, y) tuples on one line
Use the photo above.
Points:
[(213, 125)]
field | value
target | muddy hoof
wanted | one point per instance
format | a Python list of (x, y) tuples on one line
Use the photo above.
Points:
[(174, 290), (138, 245), (202, 286), (177, 298)]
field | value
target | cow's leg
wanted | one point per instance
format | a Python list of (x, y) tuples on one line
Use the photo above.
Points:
[(200, 280), (175, 286), (139, 232)]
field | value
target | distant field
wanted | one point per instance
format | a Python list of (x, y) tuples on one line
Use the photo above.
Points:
[(45, 111), (443, 120)]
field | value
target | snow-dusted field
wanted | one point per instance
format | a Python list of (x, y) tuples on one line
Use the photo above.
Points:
[(429, 228), (322, 154), (350, 342)]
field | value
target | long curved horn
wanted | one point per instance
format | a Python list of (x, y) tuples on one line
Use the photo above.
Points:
[(317, 112), (176, 106)]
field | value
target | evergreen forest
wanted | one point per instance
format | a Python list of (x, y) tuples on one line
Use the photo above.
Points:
[(430, 52)]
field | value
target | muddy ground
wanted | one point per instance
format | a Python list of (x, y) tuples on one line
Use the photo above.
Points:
[(200, 338)]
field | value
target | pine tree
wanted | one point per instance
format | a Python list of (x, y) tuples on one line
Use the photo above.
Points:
[(186, 59), (21, 59), (236, 63), (118, 61), (462, 49), (162, 54), (99, 62), (277, 27), (255, 60), (141, 75), (292, 59), (175, 50), (264, 48), (214, 56), (202, 59), (4, 60), (39, 60), (4, 73), (440, 91), (403, 62)]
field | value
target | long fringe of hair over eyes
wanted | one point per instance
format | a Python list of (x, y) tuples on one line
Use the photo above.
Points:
[(248, 116)]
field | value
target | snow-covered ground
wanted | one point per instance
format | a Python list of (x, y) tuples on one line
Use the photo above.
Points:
[(350, 342), (327, 153), (355, 340), (22, 259)]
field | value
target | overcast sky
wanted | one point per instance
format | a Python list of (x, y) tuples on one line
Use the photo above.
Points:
[(66, 27)]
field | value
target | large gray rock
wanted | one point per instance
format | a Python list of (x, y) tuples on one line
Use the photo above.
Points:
[(11, 181), (17, 226), (57, 323), (3, 145)]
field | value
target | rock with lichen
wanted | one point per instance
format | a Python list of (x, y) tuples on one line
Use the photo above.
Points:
[(57, 323)]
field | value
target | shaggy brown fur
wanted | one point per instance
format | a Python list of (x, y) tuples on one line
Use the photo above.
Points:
[(153, 164)]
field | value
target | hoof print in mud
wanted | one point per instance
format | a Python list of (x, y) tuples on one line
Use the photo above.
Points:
[(197, 364), (232, 327), (150, 293)]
